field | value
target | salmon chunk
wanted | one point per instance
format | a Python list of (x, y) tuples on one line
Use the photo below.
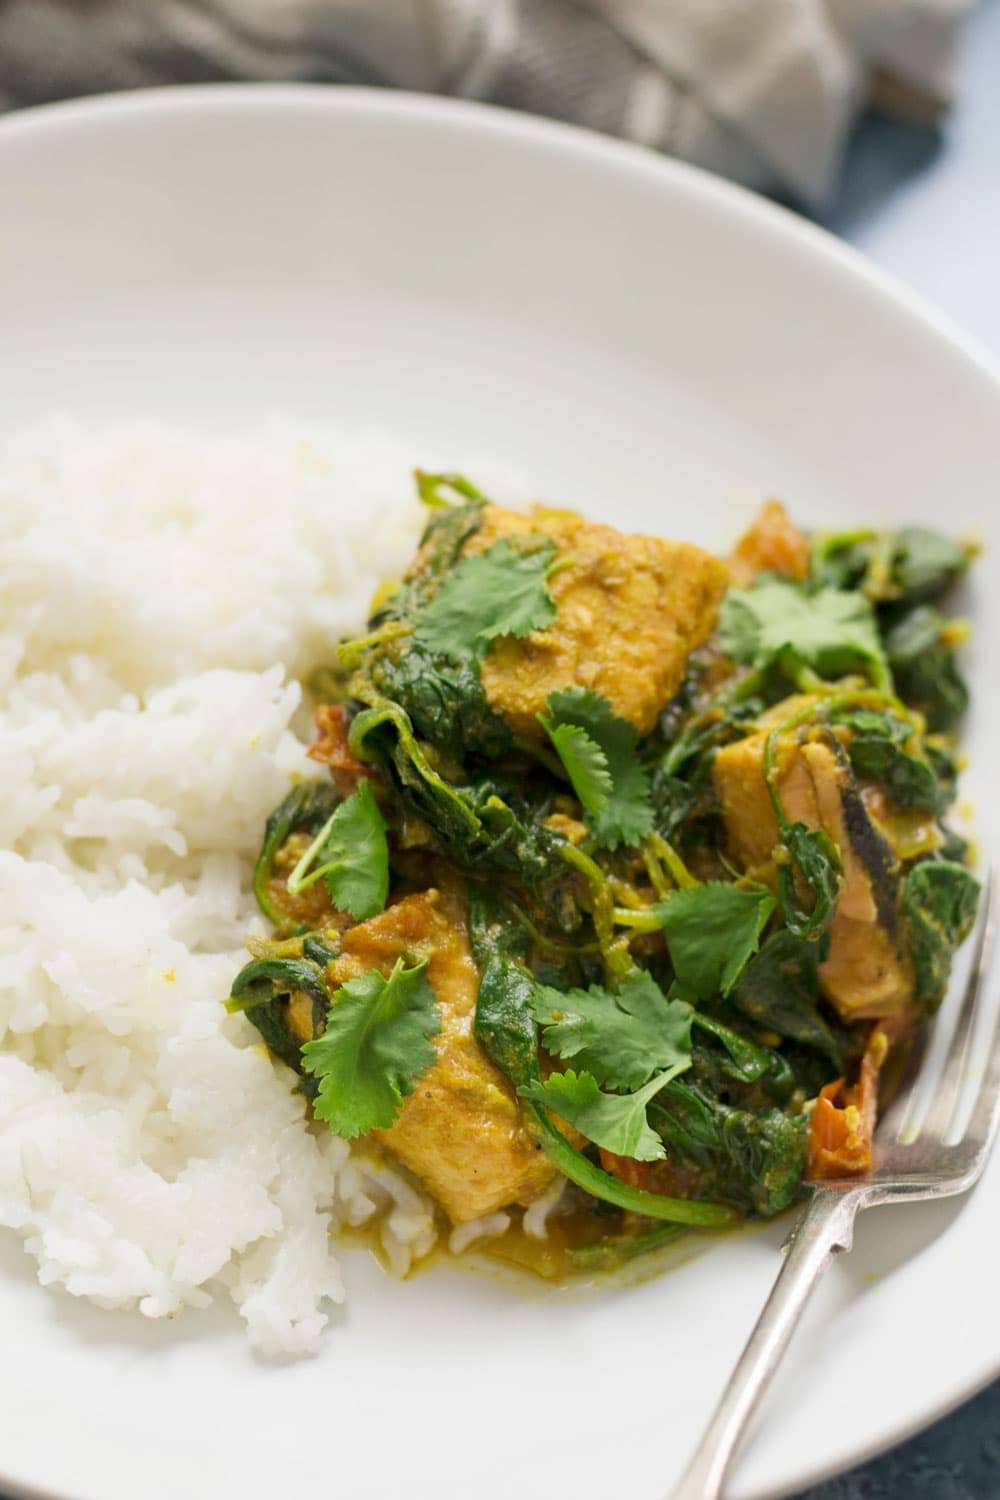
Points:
[(461, 1131), (631, 609), (867, 972), (773, 544)]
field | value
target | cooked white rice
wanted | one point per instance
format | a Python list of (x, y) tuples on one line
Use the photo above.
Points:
[(159, 595)]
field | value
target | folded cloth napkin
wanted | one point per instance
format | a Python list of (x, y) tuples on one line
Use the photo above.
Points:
[(762, 90)]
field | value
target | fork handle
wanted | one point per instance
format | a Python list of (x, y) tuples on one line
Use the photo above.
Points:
[(825, 1227)]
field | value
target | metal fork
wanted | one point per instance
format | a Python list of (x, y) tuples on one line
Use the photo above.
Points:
[(912, 1161)]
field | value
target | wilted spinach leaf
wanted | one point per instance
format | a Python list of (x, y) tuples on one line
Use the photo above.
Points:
[(305, 809), (877, 753), (743, 1060), (752, 1159), (923, 665), (478, 825), (262, 990), (905, 567), (939, 903), (926, 563), (779, 989), (445, 702), (817, 859)]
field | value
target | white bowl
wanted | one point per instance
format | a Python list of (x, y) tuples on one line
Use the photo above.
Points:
[(658, 349)]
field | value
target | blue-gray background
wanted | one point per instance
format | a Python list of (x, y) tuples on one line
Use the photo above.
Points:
[(925, 205)]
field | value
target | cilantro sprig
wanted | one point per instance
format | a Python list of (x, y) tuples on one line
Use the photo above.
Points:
[(351, 855), (615, 1121), (374, 1049), (621, 1038), (500, 592), (598, 751), (828, 631), (506, 1030), (637, 1040)]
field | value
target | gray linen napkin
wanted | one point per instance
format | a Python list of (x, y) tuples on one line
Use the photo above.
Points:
[(762, 90)]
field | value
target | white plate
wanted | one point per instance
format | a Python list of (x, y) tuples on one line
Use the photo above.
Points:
[(661, 350)]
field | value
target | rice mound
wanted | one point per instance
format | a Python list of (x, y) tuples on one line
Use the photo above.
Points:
[(160, 595)]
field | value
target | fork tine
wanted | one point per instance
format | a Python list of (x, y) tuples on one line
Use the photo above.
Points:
[(944, 1105), (892, 1125), (984, 1120)]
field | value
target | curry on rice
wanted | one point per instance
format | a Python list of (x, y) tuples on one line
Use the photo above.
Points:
[(631, 868)]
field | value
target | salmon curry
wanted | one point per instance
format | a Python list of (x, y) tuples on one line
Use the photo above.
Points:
[(628, 876)]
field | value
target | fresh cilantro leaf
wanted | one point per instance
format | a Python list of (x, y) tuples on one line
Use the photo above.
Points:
[(776, 621), (712, 932), (626, 814), (622, 1039), (586, 766), (615, 1121), (499, 592), (505, 1029), (373, 1050), (351, 855)]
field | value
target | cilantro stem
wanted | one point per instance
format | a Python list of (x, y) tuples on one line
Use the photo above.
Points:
[(381, 710), (350, 653), (614, 951), (644, 920), (877, 582), (822, 543), (598, 883), (678, 870), (654, 849), (429, 487), (601, 1184), (296, 883), (541, 939), (545, 758), (806, 680), (608, 1253), (661, 885)]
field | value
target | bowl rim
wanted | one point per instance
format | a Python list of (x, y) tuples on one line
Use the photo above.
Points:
[(23, 126)]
